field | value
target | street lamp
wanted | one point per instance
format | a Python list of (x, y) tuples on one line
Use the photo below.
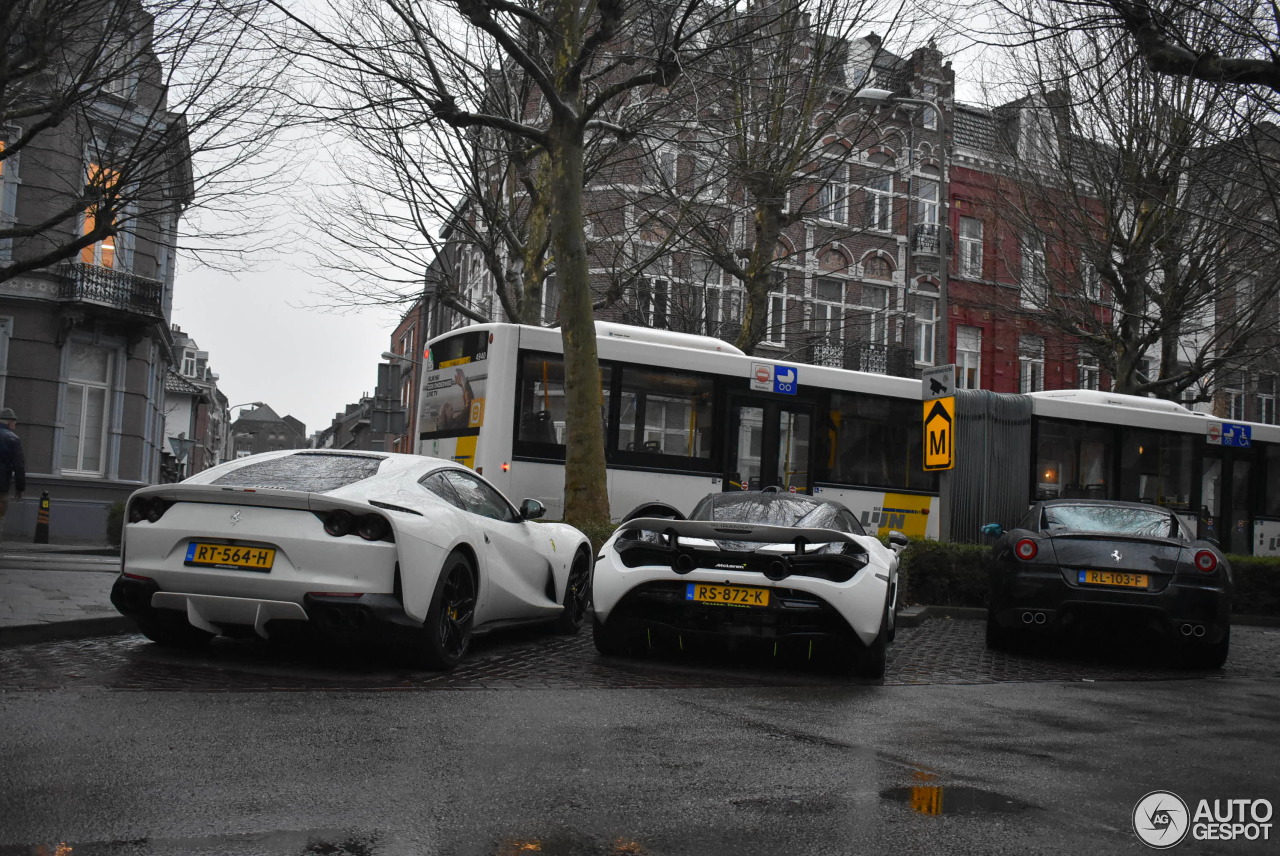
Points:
[(873, 95), (404, 358)]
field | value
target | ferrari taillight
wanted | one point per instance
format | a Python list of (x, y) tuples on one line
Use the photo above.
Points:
[(149, 508), (1026, 549), (1206, 561)]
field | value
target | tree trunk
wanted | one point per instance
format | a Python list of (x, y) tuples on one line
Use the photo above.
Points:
[(586, 496), (759, 282)]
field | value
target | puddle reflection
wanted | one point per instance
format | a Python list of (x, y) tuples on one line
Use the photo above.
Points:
[(935, 800)]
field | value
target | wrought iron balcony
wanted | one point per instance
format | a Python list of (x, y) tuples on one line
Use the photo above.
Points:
[(862, 356), (113, 289), (926, 239)]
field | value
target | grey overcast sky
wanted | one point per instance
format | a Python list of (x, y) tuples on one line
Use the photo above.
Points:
[(264, 347)]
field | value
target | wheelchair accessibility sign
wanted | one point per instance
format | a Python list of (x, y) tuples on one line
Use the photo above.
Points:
[(766, 377)]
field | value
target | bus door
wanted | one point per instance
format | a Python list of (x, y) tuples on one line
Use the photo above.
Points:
[(1224, 499), (769, 444)]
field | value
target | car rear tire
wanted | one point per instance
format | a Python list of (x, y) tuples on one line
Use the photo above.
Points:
[(171, 629), (609, 641), (871, 661), (446, 633), (577, 596)]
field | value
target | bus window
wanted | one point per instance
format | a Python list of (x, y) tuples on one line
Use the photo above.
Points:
[(875, 441), (542, 403), (1271, 499), (1155, 467), (1073, 460), (666, 413)]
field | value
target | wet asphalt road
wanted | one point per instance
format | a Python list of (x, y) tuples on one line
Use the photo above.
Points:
[(536, 744)]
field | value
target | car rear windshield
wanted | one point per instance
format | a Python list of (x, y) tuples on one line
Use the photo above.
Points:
[(1111, 519), (314, 472), (769, 510)]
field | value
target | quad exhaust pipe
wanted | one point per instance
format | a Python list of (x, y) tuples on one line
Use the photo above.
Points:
[(1196, 630), (1030, 617)]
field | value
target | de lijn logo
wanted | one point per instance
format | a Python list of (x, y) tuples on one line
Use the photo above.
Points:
[(1162, 820)]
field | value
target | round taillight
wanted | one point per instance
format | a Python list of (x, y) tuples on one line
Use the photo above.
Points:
[(339, 522), (155, 509), (138, 509), (373, 527), (1026, 549), (1206, 561)]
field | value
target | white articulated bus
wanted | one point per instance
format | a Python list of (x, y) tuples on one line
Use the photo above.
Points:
[(688, 415), (684, 416)]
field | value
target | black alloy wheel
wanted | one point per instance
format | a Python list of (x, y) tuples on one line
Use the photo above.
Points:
[(447, 630), (577, 596)]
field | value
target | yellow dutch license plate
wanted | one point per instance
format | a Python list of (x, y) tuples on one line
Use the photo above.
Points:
[(1113, 578), (228, 556), (726, 595)]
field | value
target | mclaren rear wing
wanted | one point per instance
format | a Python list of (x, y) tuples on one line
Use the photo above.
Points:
[(710, 530)]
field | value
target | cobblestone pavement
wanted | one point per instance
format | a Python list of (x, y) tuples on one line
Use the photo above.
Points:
[(939, 651)]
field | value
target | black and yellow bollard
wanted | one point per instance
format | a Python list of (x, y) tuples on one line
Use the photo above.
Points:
[(42, 520)]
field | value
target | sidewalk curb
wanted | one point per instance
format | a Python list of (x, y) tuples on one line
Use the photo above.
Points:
[(63, 631), (914, 616)]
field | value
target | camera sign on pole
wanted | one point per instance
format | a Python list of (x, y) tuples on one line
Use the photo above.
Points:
[(938, 392)]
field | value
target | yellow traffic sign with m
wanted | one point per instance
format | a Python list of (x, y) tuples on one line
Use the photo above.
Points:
[(940, 434)]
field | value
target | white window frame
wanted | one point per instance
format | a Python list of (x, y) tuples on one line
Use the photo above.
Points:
[(72, 386), (971, 247), (9, 181), (1034, 282), (1030, 363), (926, 330), (833, 194), (654, 302), (1091, 280), (1090, 373), (878, 204), (663, 167), (968, 357), (878, 331), (775, 319)]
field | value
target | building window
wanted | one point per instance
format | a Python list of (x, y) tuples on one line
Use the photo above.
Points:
[(85, 416), (1233, 390), (776, 314), (879, 203), (103, 253), (1090, 376), (1267, 399), (189, 363), (971, 247), (1091, 281), (654, 304), (875, 298), (826, 322), (662, 168), (1031, 363), (1035, 285), (550, 300), (8, 195), (968, 358), (833, 195), (927, 215), (926, 312)]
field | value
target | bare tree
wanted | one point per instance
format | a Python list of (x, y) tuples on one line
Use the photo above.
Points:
[(173, 102), (436, 62), (1144, 225)]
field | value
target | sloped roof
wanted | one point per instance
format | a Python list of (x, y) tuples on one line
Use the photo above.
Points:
[(175, 383), (260, 414)]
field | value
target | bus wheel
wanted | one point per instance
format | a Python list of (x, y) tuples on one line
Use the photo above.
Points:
[(577, 596)]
